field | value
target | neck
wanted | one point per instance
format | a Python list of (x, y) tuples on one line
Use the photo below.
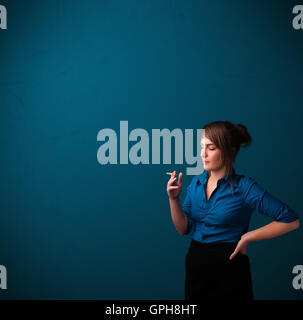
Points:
[(215, 175)]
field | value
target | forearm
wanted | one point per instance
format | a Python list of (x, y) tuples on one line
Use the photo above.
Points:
[(178, 216), (271, 230)]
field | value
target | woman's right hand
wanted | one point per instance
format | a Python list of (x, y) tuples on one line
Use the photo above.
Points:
[(174, 187)]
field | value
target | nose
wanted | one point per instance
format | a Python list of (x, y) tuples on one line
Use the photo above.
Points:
[(203, 153)]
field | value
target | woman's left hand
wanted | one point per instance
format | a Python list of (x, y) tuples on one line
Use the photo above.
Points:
[(241, 247)]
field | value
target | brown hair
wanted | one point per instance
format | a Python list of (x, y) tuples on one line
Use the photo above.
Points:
[(228, 138)]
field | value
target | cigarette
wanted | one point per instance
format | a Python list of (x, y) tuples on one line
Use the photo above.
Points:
[(170, 173)]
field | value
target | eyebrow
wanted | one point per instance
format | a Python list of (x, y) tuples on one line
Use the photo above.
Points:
[(209, 144)]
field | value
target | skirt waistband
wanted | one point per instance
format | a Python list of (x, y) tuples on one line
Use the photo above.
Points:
[(196, 243), (212, 246)]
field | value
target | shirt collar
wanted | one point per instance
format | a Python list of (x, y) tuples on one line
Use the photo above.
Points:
[(204, 176)]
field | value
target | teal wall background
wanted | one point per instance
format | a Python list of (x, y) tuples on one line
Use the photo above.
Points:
[(73, 229)]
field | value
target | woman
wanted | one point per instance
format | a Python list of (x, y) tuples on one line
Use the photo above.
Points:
[(216, 213)]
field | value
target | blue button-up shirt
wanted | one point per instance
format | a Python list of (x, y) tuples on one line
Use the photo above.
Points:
[(225, 217)]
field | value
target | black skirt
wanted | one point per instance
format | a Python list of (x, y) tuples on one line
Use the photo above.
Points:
[(211, 275)]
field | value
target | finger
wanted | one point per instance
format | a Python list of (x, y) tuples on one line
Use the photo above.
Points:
[(180, 178), (172, 178), (171, 181), (233, 254), (173, 188)]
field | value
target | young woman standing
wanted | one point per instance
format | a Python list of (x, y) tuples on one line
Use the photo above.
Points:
[(216, 212)]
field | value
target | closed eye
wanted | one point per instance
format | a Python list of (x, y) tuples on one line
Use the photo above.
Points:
[(209, 148)]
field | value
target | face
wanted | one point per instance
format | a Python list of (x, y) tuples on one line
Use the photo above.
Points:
[(211, 155)]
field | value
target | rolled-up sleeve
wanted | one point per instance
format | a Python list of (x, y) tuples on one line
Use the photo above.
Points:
[(262, 201), (186, 207)]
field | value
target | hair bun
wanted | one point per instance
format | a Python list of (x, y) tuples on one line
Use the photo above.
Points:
[(244, 136)]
